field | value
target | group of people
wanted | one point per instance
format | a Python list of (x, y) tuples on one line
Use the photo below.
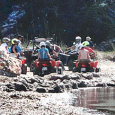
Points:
[(16, 47), (82, 49), (48, 50)]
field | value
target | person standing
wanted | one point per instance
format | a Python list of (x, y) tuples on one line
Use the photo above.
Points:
[(4, 44)]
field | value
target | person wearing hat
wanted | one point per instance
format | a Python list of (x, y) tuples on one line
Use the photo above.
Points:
[(15, 48), (20, 37), (88, 42), (43, 52)]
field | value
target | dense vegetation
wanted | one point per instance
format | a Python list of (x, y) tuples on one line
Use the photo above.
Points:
[(63, 19)]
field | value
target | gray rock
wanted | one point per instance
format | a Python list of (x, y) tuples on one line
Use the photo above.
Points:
[(20, 86), (96, 75), (41, 90), (82, 84)]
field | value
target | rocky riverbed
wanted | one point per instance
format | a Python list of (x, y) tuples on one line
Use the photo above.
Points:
[(28, 94)]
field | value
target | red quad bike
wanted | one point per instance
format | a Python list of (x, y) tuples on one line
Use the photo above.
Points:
[(85, 66), (44, 67)]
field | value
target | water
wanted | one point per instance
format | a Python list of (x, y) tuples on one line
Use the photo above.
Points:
[(102, 99)]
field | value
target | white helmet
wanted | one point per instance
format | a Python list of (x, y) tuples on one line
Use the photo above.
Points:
[(5, 39), (48, 43), (78, 39), (42, 44)]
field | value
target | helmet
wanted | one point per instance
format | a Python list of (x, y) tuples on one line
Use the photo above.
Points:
[(42, 44), (78, 39), (5, 39), (80, 46), (20, 36), (85, 43), (48, 43), (88, 38), (16, 40)]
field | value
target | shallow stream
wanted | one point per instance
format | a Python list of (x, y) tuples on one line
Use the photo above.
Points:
[(102, 99), (86, 101)]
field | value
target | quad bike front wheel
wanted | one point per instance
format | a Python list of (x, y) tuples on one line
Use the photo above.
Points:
[(70, 64), (75, 69), (60, 70)]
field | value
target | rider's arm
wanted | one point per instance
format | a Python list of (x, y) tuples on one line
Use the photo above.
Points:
[(49, 55), (72, 47), (58, 49), (14, 50), (38, 55), (55, 54)]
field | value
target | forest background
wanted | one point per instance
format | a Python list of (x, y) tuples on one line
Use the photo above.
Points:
[(62, 20)]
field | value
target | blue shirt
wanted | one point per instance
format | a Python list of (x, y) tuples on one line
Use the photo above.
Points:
[(43, 53), (17, 47)]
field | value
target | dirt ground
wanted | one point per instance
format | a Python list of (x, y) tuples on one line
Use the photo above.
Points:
[(33, 103)]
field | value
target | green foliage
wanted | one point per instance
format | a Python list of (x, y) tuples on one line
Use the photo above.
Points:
[(63, 20)]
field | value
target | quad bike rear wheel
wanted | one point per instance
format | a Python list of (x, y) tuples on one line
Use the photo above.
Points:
[(32, 67), (55, 70), (60, 70), (37, 72), (92, 70), (70, 64), (75, 69)]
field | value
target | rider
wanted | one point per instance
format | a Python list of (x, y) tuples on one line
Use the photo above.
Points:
[(51, 51), (89, 47), (55, 47), (88, 42), (15, 48), (77, 43), (4, 44), (83, 54), (43, 53), (19, 38)]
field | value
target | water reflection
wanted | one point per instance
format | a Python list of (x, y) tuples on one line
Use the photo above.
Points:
[(95, 98)]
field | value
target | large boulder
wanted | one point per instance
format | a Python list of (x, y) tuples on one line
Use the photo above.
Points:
[(9, 64)]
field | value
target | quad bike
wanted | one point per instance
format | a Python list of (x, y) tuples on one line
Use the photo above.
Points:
[(72, 56), (68, 58), (85, 66), (44, 67), (32, 54)]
